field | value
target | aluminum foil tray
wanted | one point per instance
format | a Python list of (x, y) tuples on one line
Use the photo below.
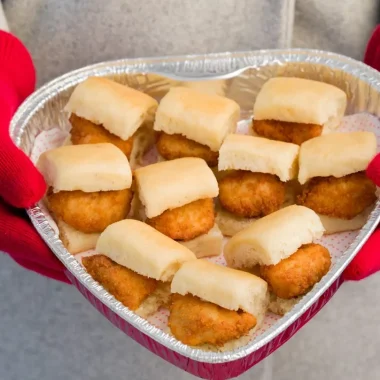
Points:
[(240, 76)]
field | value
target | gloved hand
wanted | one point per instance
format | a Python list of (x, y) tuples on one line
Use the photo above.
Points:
[(21, 185), (367, 261), (372, 54)]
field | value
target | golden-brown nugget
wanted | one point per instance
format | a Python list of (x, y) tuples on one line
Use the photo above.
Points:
[(196, 322), (250, 195), (186, 222), (90, 212), (344, 197), (298, 273), (177, 146), (128, 287), (295, 133), (86, 132)]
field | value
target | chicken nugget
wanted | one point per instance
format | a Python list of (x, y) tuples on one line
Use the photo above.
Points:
[(90, 212), (86, 132), (186, 222), (177, 146), (250, 195), (295, 133), (343, 198), (128, 287), (196, 322), (296, 275)]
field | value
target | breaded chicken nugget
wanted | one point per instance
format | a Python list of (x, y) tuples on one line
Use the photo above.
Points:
[(250, 195), (196, 322), (90, 212), (86, 132), (298, 273), (343, 198), (128, 287), (177, 146), (186, 222), (295, 133)]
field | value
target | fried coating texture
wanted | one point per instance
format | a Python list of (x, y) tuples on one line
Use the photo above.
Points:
[(177, 146), (250, 195), (90, 212), (86, 132), (342, 198), (297, 274), (186, 222), (128, 287), (196, 322), (295, 133)]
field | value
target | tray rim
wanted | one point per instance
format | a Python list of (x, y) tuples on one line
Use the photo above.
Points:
[(242, 59)]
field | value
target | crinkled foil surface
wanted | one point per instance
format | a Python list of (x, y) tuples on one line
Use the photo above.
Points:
[(242, 75)]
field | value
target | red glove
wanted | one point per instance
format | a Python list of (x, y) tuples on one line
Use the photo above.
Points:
[(21, 185), (18, 237), (367, 261), (372, 54)]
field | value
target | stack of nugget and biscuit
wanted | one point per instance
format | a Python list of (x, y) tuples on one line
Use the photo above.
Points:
[(192, 123), (257, 172), (89, 188), (177, 199), (136, 264), (333, 179), (101, 110), (281, 247), (295, 110)]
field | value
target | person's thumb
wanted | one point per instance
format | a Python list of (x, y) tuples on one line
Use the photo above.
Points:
[(21, 185), (366, 262)]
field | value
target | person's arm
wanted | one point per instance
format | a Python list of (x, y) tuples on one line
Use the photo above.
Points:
[(21, 185)]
